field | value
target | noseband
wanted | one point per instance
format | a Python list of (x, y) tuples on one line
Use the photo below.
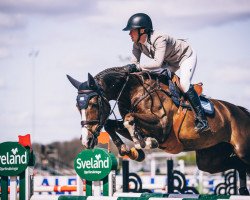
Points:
[(83, 99)]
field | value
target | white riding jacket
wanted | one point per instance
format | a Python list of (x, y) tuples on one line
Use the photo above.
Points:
[(164, 51)]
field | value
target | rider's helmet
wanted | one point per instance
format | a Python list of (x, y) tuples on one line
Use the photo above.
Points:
[(138, 21)]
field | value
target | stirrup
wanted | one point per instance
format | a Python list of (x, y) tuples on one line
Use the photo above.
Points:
[(203, 125)]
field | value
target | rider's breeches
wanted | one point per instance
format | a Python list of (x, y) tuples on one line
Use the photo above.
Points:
[(187, 69)]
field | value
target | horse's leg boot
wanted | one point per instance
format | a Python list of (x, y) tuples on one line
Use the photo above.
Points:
[(201, 123), (133, 153), (136, 154)]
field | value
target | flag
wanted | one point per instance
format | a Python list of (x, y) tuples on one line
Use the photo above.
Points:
[(24, 140)]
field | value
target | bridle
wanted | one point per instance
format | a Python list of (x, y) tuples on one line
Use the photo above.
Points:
[(83, 104)]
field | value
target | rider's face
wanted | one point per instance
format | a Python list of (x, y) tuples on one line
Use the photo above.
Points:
[(134, 35)]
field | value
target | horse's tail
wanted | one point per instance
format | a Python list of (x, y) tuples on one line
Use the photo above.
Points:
[(246, 111)]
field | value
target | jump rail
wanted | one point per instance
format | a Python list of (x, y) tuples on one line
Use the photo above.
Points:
[(97, 167)]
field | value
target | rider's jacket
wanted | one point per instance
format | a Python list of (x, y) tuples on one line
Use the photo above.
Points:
[(164, 51)]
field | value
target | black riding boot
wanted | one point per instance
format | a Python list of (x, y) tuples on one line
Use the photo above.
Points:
[(201, 123)]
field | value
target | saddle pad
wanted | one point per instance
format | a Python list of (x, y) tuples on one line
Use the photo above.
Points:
[(207, 105)]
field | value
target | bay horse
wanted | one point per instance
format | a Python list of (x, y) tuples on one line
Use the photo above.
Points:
[(151, 119)]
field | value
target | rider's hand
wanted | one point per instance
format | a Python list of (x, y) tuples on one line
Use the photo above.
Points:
[(133, 68)]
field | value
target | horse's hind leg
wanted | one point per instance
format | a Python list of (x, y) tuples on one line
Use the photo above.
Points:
[(113, 126), (241, 145), (241, 167), (243, 182), (220, 158)]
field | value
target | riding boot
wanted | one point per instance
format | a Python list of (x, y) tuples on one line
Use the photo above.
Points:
[(201, 123)]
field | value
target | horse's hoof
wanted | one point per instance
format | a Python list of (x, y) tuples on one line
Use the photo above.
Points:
[(137, 155), (123, 150), (243, 191), (154, 143), (141, 155)]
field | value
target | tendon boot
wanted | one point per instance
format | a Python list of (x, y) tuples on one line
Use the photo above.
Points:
[(201, 123)]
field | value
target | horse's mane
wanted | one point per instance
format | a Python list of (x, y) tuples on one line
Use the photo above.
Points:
[(123, 70), (246, 111), (118, 70)]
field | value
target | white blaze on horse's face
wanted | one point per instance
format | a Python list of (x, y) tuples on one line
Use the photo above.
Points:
[(84, 130)]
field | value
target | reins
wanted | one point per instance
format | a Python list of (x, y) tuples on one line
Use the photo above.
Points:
[(119, 95), (153, 89), (149, 92)]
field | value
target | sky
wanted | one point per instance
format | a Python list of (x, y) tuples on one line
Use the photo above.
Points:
[(42, 41)]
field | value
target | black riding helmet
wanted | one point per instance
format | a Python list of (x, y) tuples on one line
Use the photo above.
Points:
[(139, 21)]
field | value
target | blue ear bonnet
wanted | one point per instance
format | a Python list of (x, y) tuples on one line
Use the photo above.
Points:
[(85, 93), (83, 99)]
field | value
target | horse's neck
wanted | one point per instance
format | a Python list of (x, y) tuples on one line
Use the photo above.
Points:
[(112, 86)]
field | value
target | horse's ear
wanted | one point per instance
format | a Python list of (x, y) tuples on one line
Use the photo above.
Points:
[(74, 82), (92, 83)]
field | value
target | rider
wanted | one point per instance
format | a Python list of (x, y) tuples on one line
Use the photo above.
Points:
[(165, 52)]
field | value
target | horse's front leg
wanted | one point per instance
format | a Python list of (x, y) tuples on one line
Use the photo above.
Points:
[(113, 126), (149, 124), (137, 138)]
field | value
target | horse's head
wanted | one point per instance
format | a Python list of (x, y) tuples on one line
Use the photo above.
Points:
[(94, 109)]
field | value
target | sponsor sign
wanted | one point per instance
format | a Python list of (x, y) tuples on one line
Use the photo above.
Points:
[(94, 164), (14, 159)]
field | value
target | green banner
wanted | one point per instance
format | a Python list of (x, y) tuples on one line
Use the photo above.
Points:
[(14, 159), (95, 164)]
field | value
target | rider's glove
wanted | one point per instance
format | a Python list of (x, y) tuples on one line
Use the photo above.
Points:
[(133, 68)]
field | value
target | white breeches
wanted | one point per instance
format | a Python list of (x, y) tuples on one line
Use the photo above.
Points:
[(187, 69)]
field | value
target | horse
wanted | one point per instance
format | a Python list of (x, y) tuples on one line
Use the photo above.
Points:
[(151, 119)]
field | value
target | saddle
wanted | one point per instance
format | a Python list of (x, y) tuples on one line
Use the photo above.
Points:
[(180, 100), (177, 96)]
